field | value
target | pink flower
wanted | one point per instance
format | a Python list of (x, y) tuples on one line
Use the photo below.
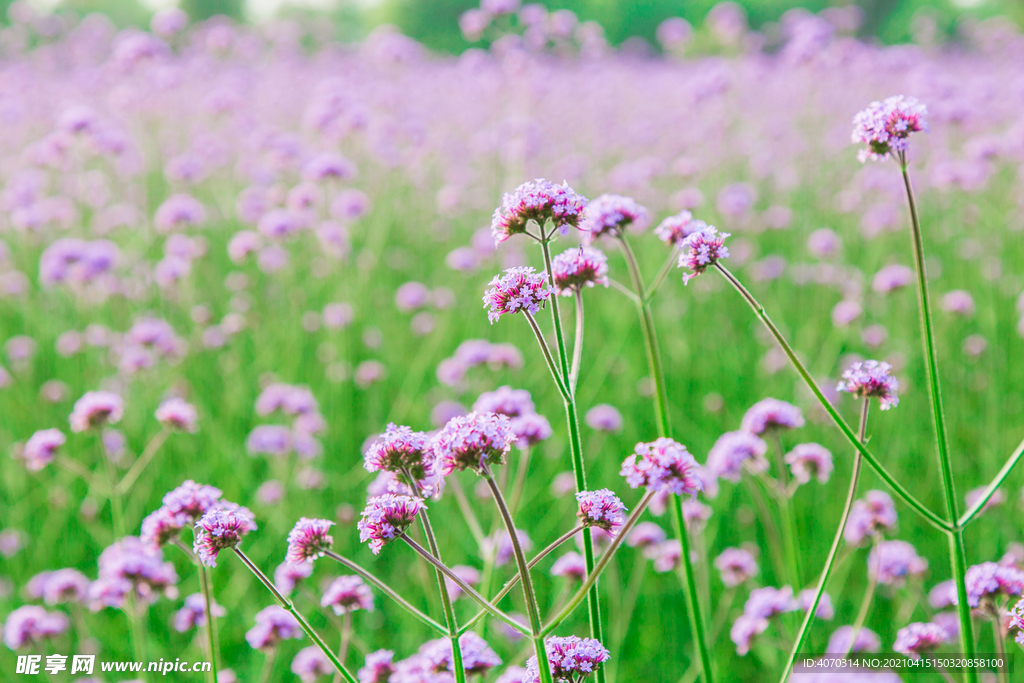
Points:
[(518, 289), (41, 448), (577, 268), (95, 409), (871, 378), (736, 566), (663, 463), (386, 518), (347, 594), (308, 540), (701, 250), (177, 414), (602, 509), (219, 529), (539, 201), (610, 214), (886, 126), (474, 441), (675, 229), (810, 459)]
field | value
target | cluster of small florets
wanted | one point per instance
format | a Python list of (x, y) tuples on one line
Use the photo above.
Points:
[(474, 441), (181, 507), (310, 664), (131, 566), (1017, 620), (95, 409), (308, 540), (871, 378), (193, 613), (176, 413), (347, 594), (987, 580), (32, 624), (762, 605), (406, 454), (472, 353), (378, 667), (572, 659), (77, 262), (663, 463), (520, 289), (736, 566), (574, 269), (771, 413), (891, 562), (734, 450), (273, 625), (41, 448), (919, 637), (529, 427), (601, 509), (432, 663), (386, 517), (885, 126), (842, 641), (539, 201), (610, 214), (675, 229), (701, 250), (808, 460), (60, 586), (297, 403), (874, 513), (219, 529)]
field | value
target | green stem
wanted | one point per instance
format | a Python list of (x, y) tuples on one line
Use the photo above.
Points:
[(958, 555), (692, 596), (466, 588), (993, 487), (511, 583), (532, 610), (577, 348), (446, 602), (606, 557), (786, 513), (386, 590), (555, 374), (116, 501), (865, 604), (837, 541), (997, 634), (670, 263), (287, 604), (876, 465), (520, 482), (139, 466), (467, 511), (204, 583)]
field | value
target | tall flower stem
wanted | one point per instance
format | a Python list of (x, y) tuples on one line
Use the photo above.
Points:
[(576, 448), (898, 488), (204, 583), (288, 605), (532, 610), (958, 555), (865, 605), (446, 602), (786, 513), (346, 636), (993, 487), (998, 635), (577, 345), (511, 583), (116, 497), (139, 466), (833, 552), (386, 590), (661, 415)]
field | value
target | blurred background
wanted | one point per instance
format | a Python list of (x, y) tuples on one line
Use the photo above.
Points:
[(435, 22)]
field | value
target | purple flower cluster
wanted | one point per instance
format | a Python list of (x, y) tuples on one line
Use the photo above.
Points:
[(273, 625), (60, 586), (131, 566), (601, 509), (386, 518), (472, 353), (574, 269), (181, 507), (297, 403), (474, 441), (571, 565), (406, 454), (891, 562), (734, 450), (875, 512), (885, 126), (378, 667), (41, 448), (219, 529), (32, 624), (95, 409), (737, 566), (808, 460), (988, 580), (347, 594), (675, 229), (308, 540), (540, 201), (762, 605), (571, 658), (611, 214), (701, 250), (193, 613), (840, 642), (77, 262), (310, 663), (177, 414), (1016, 615), (916, 638), (871, 378), (663, 463), (432, 663), (519, 289), (771, 413)]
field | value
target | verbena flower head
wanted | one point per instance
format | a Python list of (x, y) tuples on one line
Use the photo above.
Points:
[(675, 229), (604, 418), (572, 659), (32, 624), (919, 637), (771, 413), (611, 214), (825, 609), (310, 663), (539, 201), (701, 250), (602, 509), (193, 614), (220, 529), (891, 562), (41, 448), (767, 602), (577, 268), (273, 625), (347, 594), (871, 378), (308, 540), (987, 580), (519, 289), (530, 430), (663, 463), (468, 575), (808, 460), (875, 512), (1016, 616), (474, 441), (867, 641), (192, 500), (177, 414), (645, 534), (736, 566), (386, 518), (732, 451), (506, 401), (129, 565), (378, 667), (572, 565), (60, 586), (96, 408), (405, 453), (287, 575), (500, 543), (886, 126)]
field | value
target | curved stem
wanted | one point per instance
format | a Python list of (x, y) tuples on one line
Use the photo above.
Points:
[(997, 634), (555, 374), (786, 513), (692, 596), (446, 602), (511, 583), (386, 590), (876, 465), (466, 588), (288, 605), (865, 605), (592, 577), (837, 541), (204, 583), (670, 263), (991, 489), (577, 348), (139, 466), (958, 554)]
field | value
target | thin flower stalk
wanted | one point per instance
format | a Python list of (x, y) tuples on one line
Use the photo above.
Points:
[(837, 542), (670, 264), (978, 506), (901, 491), (446, 602), (865, 605), (288, 605), (642, 301), (577, 349), (786, 513), (211, 638), (958, 555), (139, 466), (386, 590)]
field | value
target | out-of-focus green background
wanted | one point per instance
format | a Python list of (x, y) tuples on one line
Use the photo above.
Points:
[(435, 22)]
